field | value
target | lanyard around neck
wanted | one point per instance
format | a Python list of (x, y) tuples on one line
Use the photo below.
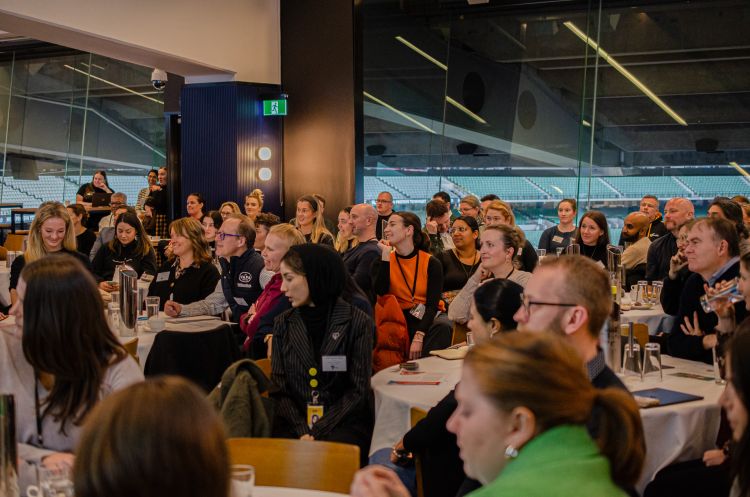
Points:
[(413, 288)]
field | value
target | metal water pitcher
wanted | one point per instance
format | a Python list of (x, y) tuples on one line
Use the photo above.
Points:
[(128, 301), (8, 448)]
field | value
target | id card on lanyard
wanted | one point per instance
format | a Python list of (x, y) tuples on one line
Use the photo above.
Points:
[(315, 410), (417, 310)]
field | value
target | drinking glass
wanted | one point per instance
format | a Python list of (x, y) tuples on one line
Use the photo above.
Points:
[(243, 480), (53, 482), (152, 306), (642, 289), (652, 362), (559, 251), (657, 287), (541, 252), (631, 361), (573, 249), (633, 293), (113, 313)]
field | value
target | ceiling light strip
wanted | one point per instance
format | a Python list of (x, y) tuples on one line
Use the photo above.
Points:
[(422, 53), (400, 113), (465, 110), (628, 75), (113, 84), (739, 169)]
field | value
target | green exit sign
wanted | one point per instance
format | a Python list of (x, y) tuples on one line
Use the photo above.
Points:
[(274, 107)]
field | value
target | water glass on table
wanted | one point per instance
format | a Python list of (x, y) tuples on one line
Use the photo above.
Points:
[(719, 366), (573, 249), (652, 362), (53, 482), (633, 294), (152, 307), (243, 480), (541, 252), (631, 361), (642, 291), (656, 288)]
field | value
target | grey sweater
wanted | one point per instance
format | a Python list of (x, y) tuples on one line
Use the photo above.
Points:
[(458, 312)]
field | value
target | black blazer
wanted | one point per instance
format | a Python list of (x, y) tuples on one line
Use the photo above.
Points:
[(349, 334)]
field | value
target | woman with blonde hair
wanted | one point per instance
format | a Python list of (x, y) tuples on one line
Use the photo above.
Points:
[(310, 222), (151, 426), (189, 275), (257, 322), (229, 208), (498, 213), (254, 204), (472, 207), (51, 231), (524, 401)]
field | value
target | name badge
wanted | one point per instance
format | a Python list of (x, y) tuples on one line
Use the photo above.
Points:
[(241, 301), (162, 277), (557, 239), (334, 363), (314, 413)]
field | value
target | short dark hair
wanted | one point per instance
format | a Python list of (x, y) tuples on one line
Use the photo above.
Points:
[(499, 299), (267, 219), (443, 196), (733, 212), (571, 201), (489, 196), (436, 208), (650, 196), (601, 221), (80, 210), (198, 196)]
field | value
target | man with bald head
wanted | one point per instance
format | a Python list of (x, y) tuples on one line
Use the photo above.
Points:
[(634, 233), (358, 260), (677, 212)]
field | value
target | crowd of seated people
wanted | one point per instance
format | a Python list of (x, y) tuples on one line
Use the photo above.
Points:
[(307, 295)]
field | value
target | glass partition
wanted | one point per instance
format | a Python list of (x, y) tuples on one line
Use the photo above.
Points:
[(542, 102), (65, 114)]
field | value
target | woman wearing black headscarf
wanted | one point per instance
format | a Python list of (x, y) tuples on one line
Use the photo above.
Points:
[(322, 354)]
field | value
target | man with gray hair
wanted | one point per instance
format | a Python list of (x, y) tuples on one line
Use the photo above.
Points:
[(116, 200), (358, 260)]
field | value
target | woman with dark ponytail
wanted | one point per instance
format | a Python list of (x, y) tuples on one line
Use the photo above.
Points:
[(523, 404), (408, 271), (736, 402)]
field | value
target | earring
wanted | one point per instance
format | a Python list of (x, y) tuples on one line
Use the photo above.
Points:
[(510, 452)]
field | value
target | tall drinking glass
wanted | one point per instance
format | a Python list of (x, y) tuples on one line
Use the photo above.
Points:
[(243, 480), (573, 249), (652, 362)]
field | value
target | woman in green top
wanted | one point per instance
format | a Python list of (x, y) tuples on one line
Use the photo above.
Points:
[(523, 403)]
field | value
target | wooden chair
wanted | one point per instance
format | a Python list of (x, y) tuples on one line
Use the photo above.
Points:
[(265, 366), (417, 415), (312, 465), (459, 333), (14, 241), (132, 347), (640, 333)]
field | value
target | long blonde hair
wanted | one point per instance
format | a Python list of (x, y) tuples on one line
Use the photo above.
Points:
[(319, 224), (193, 231), (35, 248)]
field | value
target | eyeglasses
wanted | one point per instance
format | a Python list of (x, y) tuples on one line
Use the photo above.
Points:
[(460, 229), (379, 201), (221, 235), (115, 204), (526, 303)]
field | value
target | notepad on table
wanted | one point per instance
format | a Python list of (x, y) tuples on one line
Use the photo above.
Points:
[(664, 397)]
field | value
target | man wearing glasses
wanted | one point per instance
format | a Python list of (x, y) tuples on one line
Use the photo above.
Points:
[(117, 200), (559, 299), (384, 206), (241, 266)]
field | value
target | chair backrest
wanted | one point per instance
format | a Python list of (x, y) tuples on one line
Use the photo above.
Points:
[(14, 242), (640, 332), (312, 465), (459, 333), (417, 415), (265, 366)]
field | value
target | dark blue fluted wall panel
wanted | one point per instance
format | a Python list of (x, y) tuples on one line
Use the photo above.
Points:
[(221, 131)]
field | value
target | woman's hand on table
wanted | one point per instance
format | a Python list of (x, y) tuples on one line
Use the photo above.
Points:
[(58, 459), (307, 436), (377, 481), (172, 308)]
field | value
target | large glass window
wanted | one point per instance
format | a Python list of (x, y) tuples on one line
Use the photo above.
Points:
[(65, 114), (538, 103)]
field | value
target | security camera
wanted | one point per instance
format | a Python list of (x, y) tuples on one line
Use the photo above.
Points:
[(159, 79)]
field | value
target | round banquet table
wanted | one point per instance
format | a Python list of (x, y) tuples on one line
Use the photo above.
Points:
[(673, 433), (655, 318), (4, 285), (291, 492)]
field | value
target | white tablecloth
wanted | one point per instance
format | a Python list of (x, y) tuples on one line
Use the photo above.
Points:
[(291, 492), (673, 433), (655, 318)]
